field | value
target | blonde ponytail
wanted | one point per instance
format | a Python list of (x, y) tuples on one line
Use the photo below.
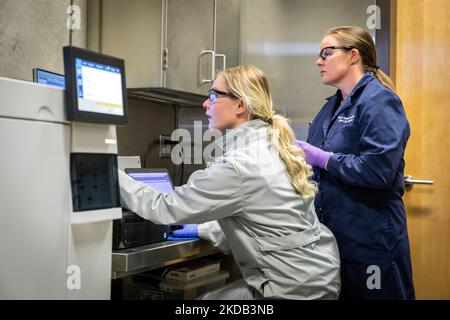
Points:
[(282, 136), (384, 79), (251, 85)]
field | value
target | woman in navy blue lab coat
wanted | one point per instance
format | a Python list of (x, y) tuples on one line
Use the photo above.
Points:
[(356, 145)]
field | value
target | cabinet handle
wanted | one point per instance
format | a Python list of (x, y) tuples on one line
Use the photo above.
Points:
[(224, 60), (213, 62), (165, 58)]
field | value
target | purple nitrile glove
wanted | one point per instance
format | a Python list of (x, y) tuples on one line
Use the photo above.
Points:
[(188, 231), (314, 156)]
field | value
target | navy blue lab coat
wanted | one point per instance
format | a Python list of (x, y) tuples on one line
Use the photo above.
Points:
[(360, 193)]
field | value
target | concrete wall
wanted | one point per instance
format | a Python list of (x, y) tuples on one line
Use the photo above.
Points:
[(32, 34)]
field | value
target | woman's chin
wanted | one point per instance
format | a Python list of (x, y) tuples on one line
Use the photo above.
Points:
[(328, 81), (325, 80)]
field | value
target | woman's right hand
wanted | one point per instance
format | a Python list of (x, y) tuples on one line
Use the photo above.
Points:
[(187, 231)]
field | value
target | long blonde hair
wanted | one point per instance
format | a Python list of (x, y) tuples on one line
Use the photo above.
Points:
[(249, 84), (358, 38)]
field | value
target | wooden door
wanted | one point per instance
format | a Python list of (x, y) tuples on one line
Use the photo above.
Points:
[(422, 76)]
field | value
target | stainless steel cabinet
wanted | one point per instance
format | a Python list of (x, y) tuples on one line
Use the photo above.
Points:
[(192, 42), (178, 44)]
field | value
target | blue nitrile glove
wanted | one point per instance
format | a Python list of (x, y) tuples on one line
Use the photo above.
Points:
[(188, 231), (314, 156)]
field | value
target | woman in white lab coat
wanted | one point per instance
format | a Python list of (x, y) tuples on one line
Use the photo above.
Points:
[(259, 192)]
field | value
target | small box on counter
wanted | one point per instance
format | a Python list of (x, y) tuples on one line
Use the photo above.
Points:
[(188, 290), (192, 270)]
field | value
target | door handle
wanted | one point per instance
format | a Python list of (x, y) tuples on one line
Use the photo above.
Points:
[(409, 181), (213, 63)]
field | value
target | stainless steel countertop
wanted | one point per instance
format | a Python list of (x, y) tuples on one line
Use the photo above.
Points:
[(156, 255)]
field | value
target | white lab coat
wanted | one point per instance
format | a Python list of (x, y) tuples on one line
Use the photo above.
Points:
[(273, 233)]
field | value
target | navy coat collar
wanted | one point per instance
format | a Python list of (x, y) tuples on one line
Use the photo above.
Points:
[(369, 76), (349, 101)]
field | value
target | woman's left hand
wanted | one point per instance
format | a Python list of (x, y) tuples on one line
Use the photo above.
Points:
[(314, 156)]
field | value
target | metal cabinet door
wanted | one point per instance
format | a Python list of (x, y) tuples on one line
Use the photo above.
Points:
[(190, 31), (228, 33), (130, 30)]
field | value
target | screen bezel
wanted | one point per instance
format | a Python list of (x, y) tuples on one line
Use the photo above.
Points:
[(72, 111), (147, 170)]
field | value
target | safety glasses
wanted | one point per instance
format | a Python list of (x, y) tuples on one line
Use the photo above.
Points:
[(214, 94), (327, 52)]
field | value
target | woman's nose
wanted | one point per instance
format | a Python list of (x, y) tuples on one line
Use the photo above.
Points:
[(206, 104), (319, 62)]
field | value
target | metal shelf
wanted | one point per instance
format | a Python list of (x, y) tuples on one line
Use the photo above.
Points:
[(131, 261), (168, 96)]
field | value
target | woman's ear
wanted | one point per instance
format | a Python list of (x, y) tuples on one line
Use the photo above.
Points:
[(355, 57), (241, 107)]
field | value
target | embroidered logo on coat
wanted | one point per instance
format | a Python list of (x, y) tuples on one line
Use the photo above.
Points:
[(343, 119)]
